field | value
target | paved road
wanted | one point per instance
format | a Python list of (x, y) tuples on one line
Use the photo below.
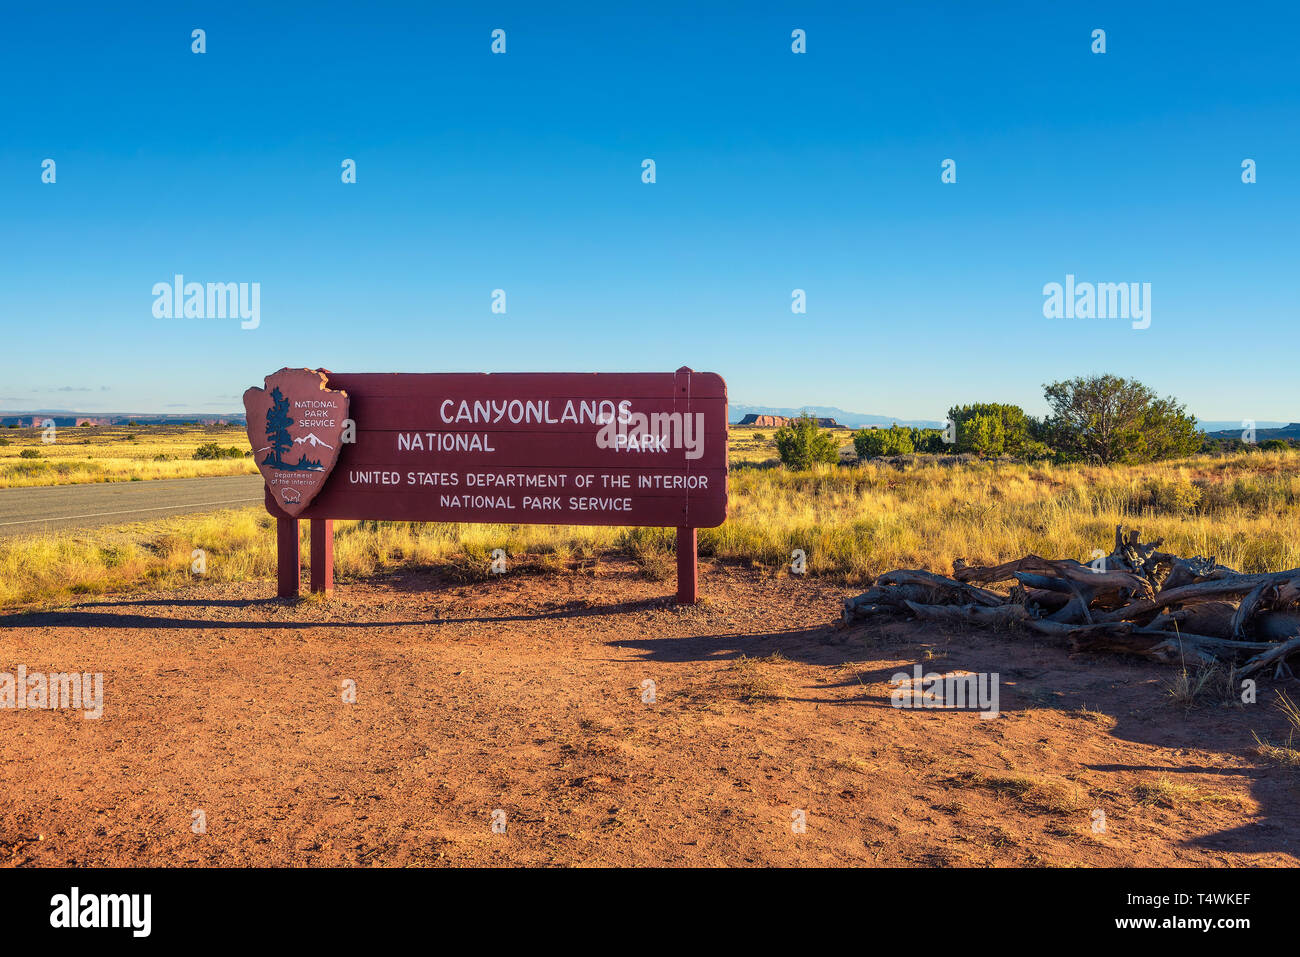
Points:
[(59, 507)]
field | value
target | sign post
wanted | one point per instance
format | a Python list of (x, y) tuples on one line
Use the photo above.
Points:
[(322, 555), (288, 558), (636, 449), (688, 567)]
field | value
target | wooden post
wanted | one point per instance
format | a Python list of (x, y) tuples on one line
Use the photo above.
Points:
[(288, 557), (322, 555), (688, 569)]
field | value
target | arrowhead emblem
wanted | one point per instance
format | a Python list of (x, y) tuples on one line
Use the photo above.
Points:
[(296, 427)]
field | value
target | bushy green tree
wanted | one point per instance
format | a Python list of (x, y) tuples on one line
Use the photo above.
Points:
[(803, 444), (930, 441), (894, 440), (1013, 433), (982, 434), (1109, 419)]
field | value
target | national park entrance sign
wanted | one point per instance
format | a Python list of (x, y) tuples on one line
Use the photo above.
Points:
[(639, 448)]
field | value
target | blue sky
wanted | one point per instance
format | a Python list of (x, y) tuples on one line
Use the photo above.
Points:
[(775, 171)]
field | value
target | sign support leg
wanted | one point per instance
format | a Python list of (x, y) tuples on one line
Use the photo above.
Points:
[(322, 555), (688, 569), (288, 557)]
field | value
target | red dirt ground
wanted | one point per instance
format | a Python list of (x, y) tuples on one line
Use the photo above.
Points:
[(524, 693)]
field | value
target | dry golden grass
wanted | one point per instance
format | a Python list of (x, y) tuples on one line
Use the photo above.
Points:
[(1166, 793), (1049, 796), (852, 522), (116, 454), (1286, 753), (756, 679), (861, 520)]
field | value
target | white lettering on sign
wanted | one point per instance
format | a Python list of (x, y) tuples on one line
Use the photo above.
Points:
[(443, 442), (432, 478), (316, 413), (510, 480), (594, 504), (673, 481), (518, 411), (546, 501), (475, 501), (374, 478)]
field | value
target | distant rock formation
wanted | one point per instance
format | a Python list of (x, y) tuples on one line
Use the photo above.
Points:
[(65, 420), (778, 421)]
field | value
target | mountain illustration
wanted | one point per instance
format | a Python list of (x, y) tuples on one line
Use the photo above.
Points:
[(278, 421), (310, 439)]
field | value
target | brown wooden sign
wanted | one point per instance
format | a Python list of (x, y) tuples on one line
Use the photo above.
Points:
[(511, 448)]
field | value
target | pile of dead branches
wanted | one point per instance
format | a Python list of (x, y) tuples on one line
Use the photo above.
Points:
[(1136, 600)]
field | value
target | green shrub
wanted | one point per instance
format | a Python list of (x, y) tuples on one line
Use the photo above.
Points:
[(803, 444), (1110, 419), (894, 440), (978, 433), (930, 441), (29, 454), (982, 434), (211, 450)]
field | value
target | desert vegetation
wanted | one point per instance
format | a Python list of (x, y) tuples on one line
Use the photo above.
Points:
[(122, 454), (852, 521), (1102, 419)]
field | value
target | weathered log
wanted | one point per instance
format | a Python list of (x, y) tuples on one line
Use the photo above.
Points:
[(889, 599), (859, 611), (999, 573), (1278, 653), (979, 596), (1162, 645), (1191, 617), (1223, 647), (981, 615), (1132, 555), (1204, 618), (1201, 591), (1248, 606), (1288, 593), (1092, 582), (1276, 625), (1189, 571), (1074, 612), (1048, 601)]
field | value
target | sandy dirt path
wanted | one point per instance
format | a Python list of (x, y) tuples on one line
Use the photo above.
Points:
[(524, 694)]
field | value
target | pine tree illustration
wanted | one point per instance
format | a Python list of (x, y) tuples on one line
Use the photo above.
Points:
[(278, 422)]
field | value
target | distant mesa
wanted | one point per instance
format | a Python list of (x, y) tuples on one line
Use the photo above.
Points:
[(779, 421), (64, 419), (1290, 431)]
